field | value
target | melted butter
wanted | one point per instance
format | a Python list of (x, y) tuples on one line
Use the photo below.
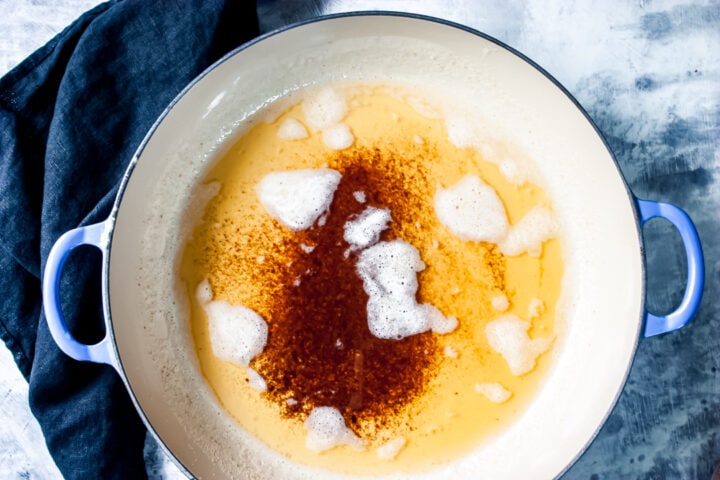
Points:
[(238, 247)]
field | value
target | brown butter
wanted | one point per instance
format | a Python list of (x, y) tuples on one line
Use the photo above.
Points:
[(320, 351), (384, 388)]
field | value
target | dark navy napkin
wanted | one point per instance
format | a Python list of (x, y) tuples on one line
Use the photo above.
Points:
[(71, 117)]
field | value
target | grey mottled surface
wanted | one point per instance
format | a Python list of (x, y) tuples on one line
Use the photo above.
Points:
[(648, 73)]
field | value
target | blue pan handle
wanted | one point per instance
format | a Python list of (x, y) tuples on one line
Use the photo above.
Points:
[(97, 235), (657, 324)]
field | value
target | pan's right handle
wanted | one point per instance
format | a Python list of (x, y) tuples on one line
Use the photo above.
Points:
[(657, 324), (96, 235)]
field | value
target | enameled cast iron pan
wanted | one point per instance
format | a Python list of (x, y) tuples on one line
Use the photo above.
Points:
[(604, 292)]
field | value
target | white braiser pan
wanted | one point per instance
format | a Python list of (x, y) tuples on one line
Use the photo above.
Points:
[(147, 339)]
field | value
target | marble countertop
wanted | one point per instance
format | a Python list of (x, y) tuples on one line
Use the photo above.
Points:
[(648, 73)]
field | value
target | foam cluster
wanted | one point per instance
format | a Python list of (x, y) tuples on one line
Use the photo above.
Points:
[(256, 381), (528, 235), (472, 211), (500, 303), (338, 137), (360, 196), (389, 274), (450, 352), (292, 129), (324, 109), (325, 112), (326, 429), (466, 132), (494, 392), (365, 229), (237, 333), (508, 336), (296, 198), (536, 307), (512, 171)]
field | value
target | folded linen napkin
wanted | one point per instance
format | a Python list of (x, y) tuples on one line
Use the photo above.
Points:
[(71, 117)]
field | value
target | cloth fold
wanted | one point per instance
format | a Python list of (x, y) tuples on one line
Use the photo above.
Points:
[(71, 117)]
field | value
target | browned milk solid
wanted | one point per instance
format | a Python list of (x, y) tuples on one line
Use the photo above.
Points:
[(245, 254)]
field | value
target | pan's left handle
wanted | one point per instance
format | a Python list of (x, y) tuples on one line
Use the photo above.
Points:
[(96, 235)]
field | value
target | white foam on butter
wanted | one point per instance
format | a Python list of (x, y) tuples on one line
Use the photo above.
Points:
[(528, 235), (536, 307), (512, 171), (422, 106), (296, 198), (439, 323), (256, 381), (470, 131), (389, 274), (365, 229), (500, 303), (508, 336), (462, 132), (494, 392), (472, 210), (390, 449), (323, 219), (360, 196), (307, 248), (338, 136), (204, 293), (237, 333), (395, 318), (326, 429), (292, 129), (389, 269), (325, 108), (450, 352)]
